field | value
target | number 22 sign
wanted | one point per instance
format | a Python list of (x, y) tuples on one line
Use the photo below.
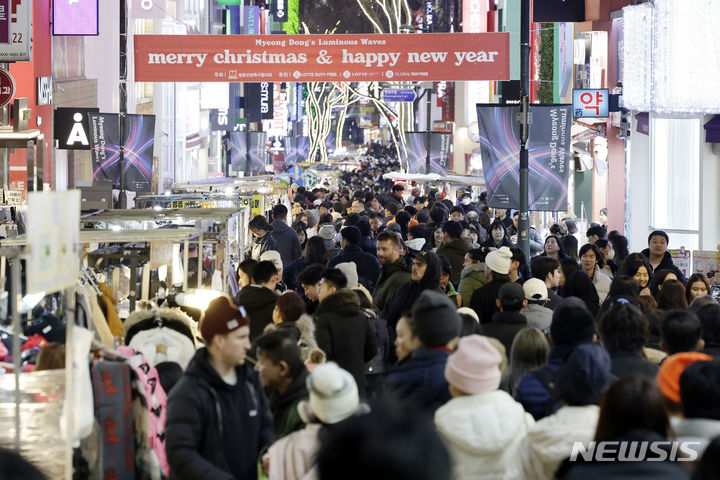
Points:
[(15, 30)]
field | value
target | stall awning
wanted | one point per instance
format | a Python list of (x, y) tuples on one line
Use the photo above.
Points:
[(712, 130), (192, 141)]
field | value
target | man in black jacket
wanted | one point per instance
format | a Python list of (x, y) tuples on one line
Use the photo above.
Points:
[(343, 330), (287, 240), (218, 418), (508, 321), (368, 268), (259, 298), (658, 256)]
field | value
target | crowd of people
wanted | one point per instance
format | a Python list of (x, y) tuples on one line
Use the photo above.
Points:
[(382, 331)]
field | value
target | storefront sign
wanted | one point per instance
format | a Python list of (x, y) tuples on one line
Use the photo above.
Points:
[(13, 197), (7, 87), (591, 103), (15, 30), (278, 8), (399, 95), (266, 100), (75, 17), (558, 11), (681, 259), (53, 231), (44, 91), (72, 129), (243, 58), (707, 262), (252, 20)]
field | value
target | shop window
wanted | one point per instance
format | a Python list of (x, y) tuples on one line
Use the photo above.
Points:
[(675, 179)]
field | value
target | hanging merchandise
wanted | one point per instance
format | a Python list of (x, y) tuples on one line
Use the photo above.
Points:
[(156, 402), (162, 335), (107, 304)]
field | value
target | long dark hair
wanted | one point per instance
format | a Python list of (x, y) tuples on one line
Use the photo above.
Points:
[(579, 285), (315, 251), (570, 246), (632, 403), (672, 295)]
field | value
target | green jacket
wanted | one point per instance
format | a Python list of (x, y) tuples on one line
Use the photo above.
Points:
[(471, 278), (391, 277), (455, 251), (286, 418)]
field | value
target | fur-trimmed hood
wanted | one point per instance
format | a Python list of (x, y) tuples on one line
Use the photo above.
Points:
[(340, 301), (165, 334), (303, 330)]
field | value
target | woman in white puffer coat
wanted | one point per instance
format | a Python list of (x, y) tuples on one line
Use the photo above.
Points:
[(483, 426), (579, 385)]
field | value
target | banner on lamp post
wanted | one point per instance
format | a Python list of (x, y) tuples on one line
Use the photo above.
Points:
[(347, 58), (549, 148)]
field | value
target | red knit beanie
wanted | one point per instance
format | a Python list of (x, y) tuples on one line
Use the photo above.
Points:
[(222, 317)]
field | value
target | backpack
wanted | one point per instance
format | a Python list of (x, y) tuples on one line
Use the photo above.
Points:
[(546, 376)]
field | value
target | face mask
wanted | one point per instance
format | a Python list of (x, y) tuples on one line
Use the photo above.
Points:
[(466, 201)]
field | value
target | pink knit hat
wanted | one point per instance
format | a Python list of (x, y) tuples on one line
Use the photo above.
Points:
[(475, 366)]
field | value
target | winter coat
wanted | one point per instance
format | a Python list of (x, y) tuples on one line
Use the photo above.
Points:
[(407, 294), (391, 277), (287, 241), (284, 406), (368, 268), (490, 243), (538, 316), (162, 335), (260, 246), (376, 365), (591, 470), (293, 457), (216, 430), (291, 272), (535, 239), (368, 245), (484, 433), (420, 380), (343, 332), (602, 284), (483, 300), (504, 327), (455, 251), (303, 330), (553, 300), (701, 430), (666, 264), (259, 303), (472, 277), (551, 439), (531, 392), (624, 362)]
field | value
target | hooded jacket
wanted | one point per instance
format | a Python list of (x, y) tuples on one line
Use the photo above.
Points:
[(260, 246), (551, 439), (216, 430), (667, 264), (303, 330), (406, 294), (343, 332), (472, 277), (391, 277), (455, 251), (284, 406), (287, 241), (531, 392), (368, 268), (484, 433), (259, 303)]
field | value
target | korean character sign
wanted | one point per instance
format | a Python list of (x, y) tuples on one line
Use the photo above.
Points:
[(591, 103)]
